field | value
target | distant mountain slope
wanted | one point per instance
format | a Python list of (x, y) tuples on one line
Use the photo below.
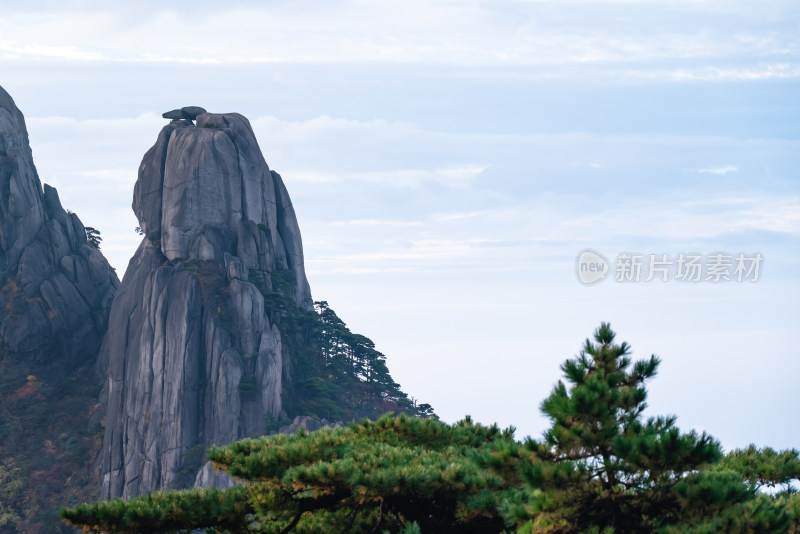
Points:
[(55, 287), (56, 290)]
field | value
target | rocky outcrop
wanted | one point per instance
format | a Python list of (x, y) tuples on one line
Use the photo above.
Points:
[(308, 424), (56, 288), (194, 354)]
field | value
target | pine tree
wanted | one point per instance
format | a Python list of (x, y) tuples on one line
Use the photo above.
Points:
[(343, 376), (602, 468), (765, 468), (93, 238), (397, 474)]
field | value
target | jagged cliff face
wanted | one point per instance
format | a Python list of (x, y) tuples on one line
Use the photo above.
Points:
[(55, 289), (192, 357)]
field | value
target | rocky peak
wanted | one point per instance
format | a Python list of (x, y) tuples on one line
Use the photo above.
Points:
[(193, 357), (55, 288)]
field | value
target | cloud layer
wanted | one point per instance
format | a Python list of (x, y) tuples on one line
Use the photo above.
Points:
[(640, 38)]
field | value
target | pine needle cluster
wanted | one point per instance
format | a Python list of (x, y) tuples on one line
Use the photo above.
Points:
[(393, 474)]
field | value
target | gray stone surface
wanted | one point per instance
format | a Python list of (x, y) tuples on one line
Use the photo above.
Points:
[(55, 289), (289, 231), (308, 424), (191, 112), (174, 114), (188, 113), (192, 357), (208, 477)]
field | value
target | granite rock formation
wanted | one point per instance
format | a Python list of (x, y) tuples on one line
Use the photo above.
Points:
[(193, 357), (56, 289)]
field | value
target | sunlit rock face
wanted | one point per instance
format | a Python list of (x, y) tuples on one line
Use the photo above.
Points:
[(193, 357), (56, 288)]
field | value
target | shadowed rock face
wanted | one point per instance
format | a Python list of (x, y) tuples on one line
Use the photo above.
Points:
[(192, 357), (55, 289)]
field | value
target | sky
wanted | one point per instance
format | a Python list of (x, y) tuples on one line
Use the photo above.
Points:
[(449, 160)]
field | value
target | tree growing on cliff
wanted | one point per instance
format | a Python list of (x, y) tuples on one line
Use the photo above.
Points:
[(337, 374), (93, 237)]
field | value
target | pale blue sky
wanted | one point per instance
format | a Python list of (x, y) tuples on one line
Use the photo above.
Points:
[(449, 159)]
